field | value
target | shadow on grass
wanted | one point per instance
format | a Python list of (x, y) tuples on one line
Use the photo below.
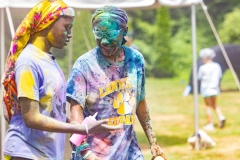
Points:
[(230, 90), (163, 140)]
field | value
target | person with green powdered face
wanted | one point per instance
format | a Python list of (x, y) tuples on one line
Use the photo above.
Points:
[(110, 80)]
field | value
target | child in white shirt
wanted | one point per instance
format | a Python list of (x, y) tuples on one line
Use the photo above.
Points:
[(210, 74)]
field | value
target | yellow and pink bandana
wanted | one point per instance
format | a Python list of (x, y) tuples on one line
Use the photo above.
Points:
[(40, 17)]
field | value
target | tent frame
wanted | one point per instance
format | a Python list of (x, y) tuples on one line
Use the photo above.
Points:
[(195, 81), (3, 123)]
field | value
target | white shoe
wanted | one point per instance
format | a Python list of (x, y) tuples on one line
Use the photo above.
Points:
[(222, 123), (209, 127)]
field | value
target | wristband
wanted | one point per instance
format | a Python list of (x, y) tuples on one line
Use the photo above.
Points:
[(86, 155), (82, 147)]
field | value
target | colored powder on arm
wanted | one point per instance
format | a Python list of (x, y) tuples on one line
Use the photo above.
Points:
[(27, 83)]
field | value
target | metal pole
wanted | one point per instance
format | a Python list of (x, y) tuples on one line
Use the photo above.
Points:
[(10, 21), (70, 50), (3, 123), (195, 82), (70, 46)]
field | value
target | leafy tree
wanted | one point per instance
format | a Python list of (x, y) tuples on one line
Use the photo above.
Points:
[(82, 40), (182, 50), (151, 34), (230, 31), (163, 66), (144, 30)]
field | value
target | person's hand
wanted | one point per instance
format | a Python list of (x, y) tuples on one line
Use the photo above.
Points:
[(101, 126), (157, 151)]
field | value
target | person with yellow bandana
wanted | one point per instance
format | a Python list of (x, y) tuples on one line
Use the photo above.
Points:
[(35, 87)]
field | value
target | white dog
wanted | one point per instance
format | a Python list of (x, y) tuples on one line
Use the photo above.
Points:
[(205, 141)]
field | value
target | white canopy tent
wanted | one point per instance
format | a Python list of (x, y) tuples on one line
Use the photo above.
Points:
[(125, 4), (3, 4), (93, 4)]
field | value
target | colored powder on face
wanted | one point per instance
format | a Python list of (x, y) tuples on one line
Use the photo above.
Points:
[(27, 85), (108, 23), (106, 19)]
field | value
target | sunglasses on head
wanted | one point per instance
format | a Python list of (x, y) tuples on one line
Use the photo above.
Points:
[(109, 34)]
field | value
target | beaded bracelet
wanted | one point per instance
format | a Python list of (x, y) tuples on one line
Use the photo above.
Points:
[(84, 146)]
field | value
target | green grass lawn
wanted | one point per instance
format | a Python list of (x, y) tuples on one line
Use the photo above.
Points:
[(173, 120)]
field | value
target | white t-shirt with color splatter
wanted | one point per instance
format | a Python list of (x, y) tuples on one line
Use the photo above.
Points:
[(38, 77), (114, 91)]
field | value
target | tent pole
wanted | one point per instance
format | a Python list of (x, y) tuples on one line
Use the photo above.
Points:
[(195, 82), (3, 123), (204, 7), (10, 21), (70, 53)]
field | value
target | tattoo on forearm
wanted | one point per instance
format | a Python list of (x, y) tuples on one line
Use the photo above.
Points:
[(144, 118), (147, 126)]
